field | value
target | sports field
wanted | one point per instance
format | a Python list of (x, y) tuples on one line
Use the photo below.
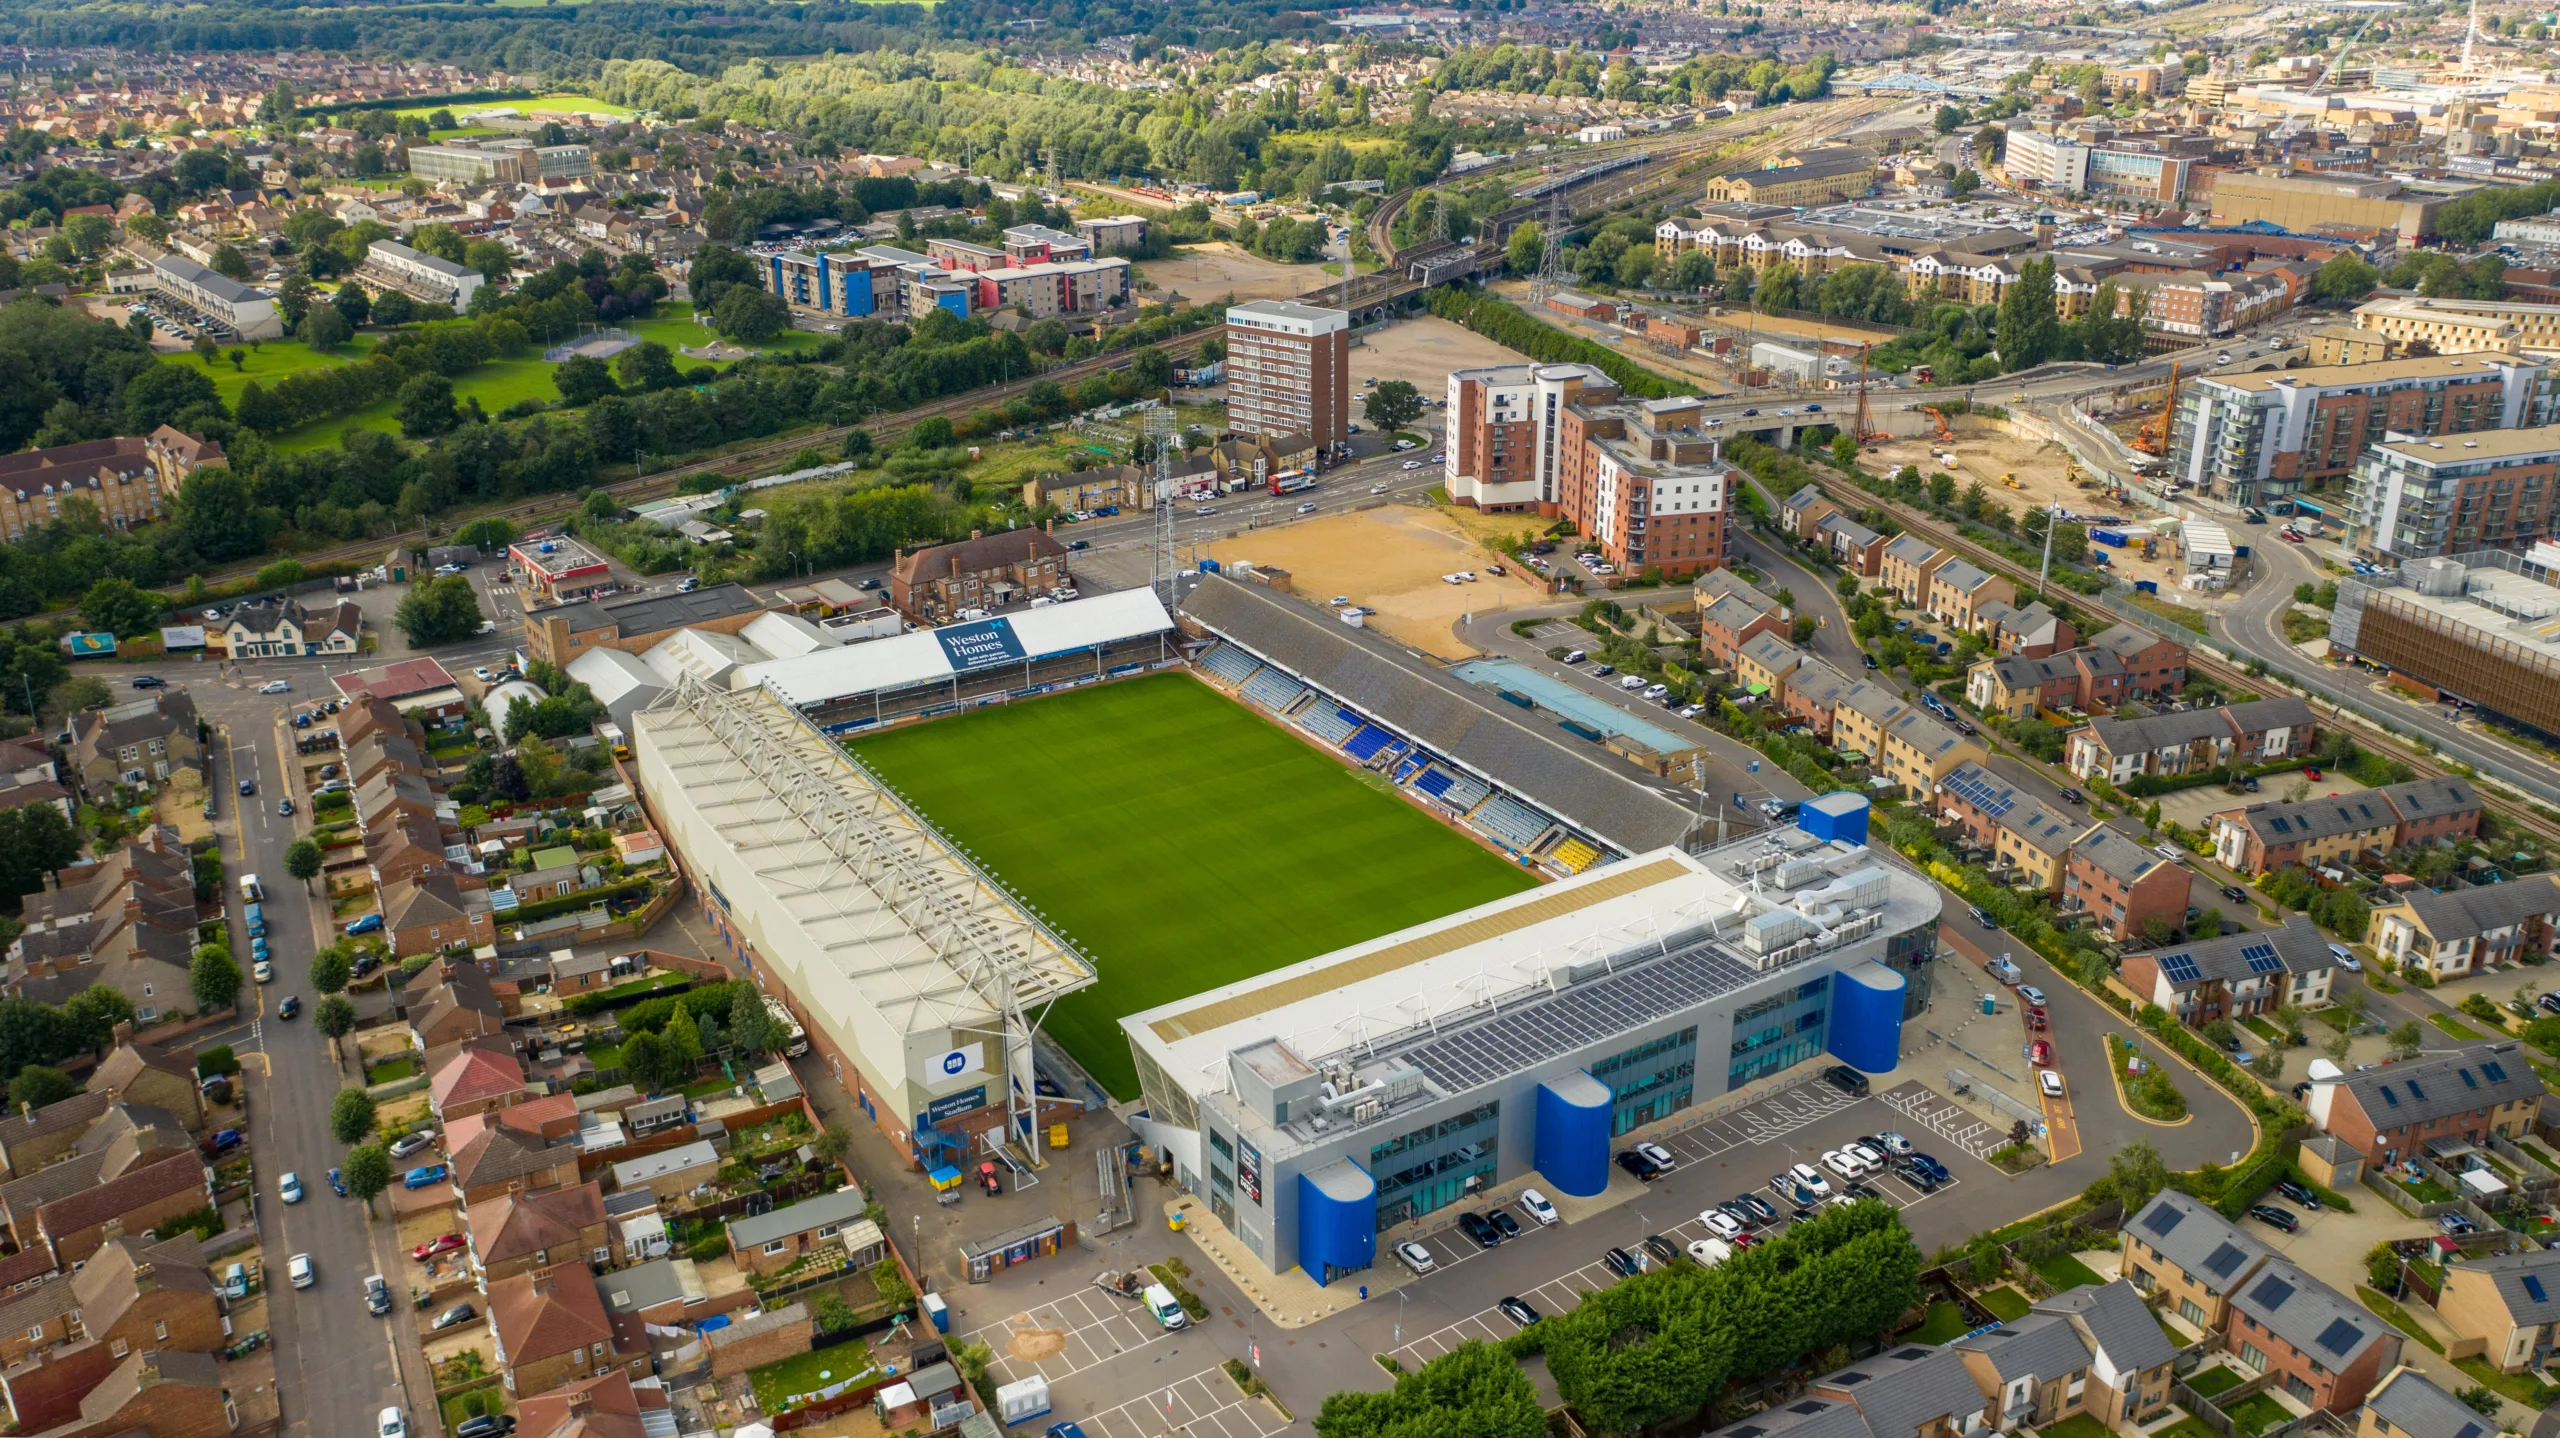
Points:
[(1180, 840)]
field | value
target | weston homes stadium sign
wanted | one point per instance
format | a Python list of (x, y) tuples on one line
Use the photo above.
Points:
[(982, 645)]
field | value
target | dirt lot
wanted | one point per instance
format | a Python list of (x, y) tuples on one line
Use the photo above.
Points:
[(1986, 453), (1422, 352), (1206, 272), (1390, 559), (1761, 326)]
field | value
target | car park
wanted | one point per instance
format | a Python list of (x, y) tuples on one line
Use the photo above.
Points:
[(1478, 1227), (1708, 1252), (1416, 1257), (2275, 1217), (2050, 1081), (1516, 1310), (1535, 1204)]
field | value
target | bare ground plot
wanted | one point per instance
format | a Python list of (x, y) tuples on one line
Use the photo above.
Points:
[(1776, 327), (1986, 453), (1390, 559), (1208, 272), (1422, 352)]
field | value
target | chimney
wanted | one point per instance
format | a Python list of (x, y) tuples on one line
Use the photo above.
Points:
[(144, 1281), (123, 1031), (977, 534), (541, 1280), (26, 1109)]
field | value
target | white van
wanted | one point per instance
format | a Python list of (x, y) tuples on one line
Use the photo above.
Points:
[(250, 890), (1167, 1309)]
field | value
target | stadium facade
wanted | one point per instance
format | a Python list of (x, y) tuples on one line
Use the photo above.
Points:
[(1316, 1105)]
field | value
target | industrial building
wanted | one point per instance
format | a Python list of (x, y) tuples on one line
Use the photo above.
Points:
[(1316, 1105), (2482, 626)]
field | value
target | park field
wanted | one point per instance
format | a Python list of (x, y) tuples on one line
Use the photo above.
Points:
[(496, 385), (1182, 841), (547, 105), (274, 360)]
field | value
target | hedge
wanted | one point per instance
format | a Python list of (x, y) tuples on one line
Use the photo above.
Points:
[(583, 899), (1507, 324)]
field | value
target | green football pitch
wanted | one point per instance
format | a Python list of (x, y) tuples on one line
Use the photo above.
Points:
[(1181, 841)]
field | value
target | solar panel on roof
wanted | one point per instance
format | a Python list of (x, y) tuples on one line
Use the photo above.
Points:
[(2262, 958), (2224, 1260), (2181, 968), (2467, 1080), (2389, 1097), (2533, 1285), (1811, 1405), (2496, 1071), (2415, 1092), (1850, 1379), (2339, 1337), (2272, 1292), (2163, 1219), (2281, 825)]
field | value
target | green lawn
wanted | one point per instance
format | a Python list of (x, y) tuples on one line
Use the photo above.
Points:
[(2078, 1425), (496, 385), (2256, 1414), (548, 104), (272, 361), (2186, 1428), (2455, 1027), (2218, 1379), (1182, 841), (1945, 1325), (2067, 1271), (2005, 1302), (2522, 1387), (2398, 1317), (807, 1373)]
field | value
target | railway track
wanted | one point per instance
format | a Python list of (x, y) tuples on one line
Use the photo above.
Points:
[(661, 484), (2522, 815)]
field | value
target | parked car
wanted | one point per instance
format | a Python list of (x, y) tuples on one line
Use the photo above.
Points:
[(370, 923), (2454, 1225), (1847, 1080), (2235, 893), (1807, 1176), (1535, 1204), (1708, 1252), (2346, 958), (433, 1246), (1621, 1262), (263, 971), (2040, 1053), (1843, 1165), (454, 1317), (499, 1425), (1661, 1156), (1481, 1229), (1720, 1223), (2031, 994), (289, 1188), (2050, 1081), (1412, 1255), (337, 1185), (408, 1144), (299, 1272), (426, 1177), (377, 1295), (1640, 1165), (2274, 1217), (1501, 1219), (1983, 917), (2074, 796), (1516, 1310), (2299, 1192), (1759, 1209)]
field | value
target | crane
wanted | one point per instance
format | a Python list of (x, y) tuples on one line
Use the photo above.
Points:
[(2154, 435)]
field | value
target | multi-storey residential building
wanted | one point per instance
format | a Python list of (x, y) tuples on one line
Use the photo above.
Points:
[(1041, 245), (1958, 590), (2235, 975), (2509, 1303), (2121, 884), (1069, 287), (2322, 1347), (1112, 232), (1764, 664), (2467, 929), (1818, 179), (2462, 326), (1812, 693), (2020, 832), (1918, 750), (1504, 423), (2430, 498), (130, 478), (2247, 439), (390, 265), (2406, 1405), (225, 308), (2153, 665), (1731, 614), (2050, 162), (2394, 1112), (1289, 370), (1647, 483), (835, 282)]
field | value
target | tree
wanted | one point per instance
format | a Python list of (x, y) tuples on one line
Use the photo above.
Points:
[(2335, 1047), (38, 1085), (1964, 183), (140, 327), (1802, 630), (215, 978), (351, 1116), (366, 1171), (2028, 327), (35, 840), (93, 1013), (830, 1144), (486, 535), (122, 608), (1393, 405), (426, 407), (324, 328), (352, 304), (583, 379), (491, 259), (683, 1040), (751, 1026), (302, 859), (1844, 450), (2344, 279), (647, 365), (439, 611), (750, 316), (1942, 489), (205, 349), (166, 393), (2480, 1398), (334, 1017), (1527, 248), (648, 1064), (331, 969), (2405, 1039)]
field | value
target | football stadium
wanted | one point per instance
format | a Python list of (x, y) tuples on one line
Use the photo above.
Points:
[(1343, 936)]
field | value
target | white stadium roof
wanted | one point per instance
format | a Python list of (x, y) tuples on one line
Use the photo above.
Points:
[(929, 656)]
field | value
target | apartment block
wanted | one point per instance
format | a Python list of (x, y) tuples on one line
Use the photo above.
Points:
[(2462, 326), (1504, 422), (130, 479), (2248, 439), (1647, 482), (2427, 498), (1289, 371)]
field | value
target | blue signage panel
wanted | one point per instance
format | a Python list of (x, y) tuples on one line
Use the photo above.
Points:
[(954, 1104), (982, 645)]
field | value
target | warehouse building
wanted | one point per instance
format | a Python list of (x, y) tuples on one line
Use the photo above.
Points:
[(2483, 627), (1317, 1105)]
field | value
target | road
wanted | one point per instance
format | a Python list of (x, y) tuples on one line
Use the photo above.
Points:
[(337, 1365)]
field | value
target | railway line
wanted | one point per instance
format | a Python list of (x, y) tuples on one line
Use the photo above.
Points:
[(2517, 814), (740, 464)]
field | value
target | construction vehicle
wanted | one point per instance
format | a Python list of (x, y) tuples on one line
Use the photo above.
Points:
[(2077, 478), (2154, 436), (2011, 480), (1945, 435)]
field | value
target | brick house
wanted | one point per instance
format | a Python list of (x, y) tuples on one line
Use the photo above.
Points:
[(32, 1138), (1958, 592), (2392, 1113), (1727, 622), (1766, 662), (2442, 808), (1919, 751), (420, 916), (475, 1080), (2407, 1405), (162, 1078), (2468, 930), (142, 741), (1801, 512), (1912, 1391), (1812, 692), (2377, 821), (2089, 680), (668, 1173), (1858, 720), (500, 1160), (1905, 566), (2152, 664), (137, 1299), (2031, 630), (2509, 1304), (550, 1328), (2032, 1372), (2187, 1260), (2132, 1363), (933, 584), (2323, 1347), (764, 1242), (283, 628), (170, 1394), (449, 1002), (516, 1233), (2116, 881), (1851, 545), (2235, 975), (71, 1227), (2262, 731), (126, 921), (598, 1406), (44, 1388)]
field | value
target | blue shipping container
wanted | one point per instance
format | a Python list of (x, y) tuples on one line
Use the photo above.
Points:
[(2113, 537)]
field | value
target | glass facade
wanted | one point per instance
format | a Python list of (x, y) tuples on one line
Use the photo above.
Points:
[(1779, 1031), (1436, 1165), (1912, 955), (1651, 1081)]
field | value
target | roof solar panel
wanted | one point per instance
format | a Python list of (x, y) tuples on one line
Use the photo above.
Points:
[(2533, 1285), (2467, 1080), (2163, 1219), (2388, 1096), (2415, 1092), (2496, 1071), (2225, 1260), (2181, 968), (2271, 1292), (2262, 958), (2281, 824), (2340, 1337)]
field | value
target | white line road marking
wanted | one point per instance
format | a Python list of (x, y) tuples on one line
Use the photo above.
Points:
[(1205, 1404), (1098, 1328)]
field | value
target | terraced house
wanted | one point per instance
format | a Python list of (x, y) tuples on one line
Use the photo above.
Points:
[(2120, 884), (2323, 1347), (2088, 680), (2508, 1304), (2189, 1261), (2235, 975), (2393, 1113), (2261, 731), (2466, 930), (2344, 827)]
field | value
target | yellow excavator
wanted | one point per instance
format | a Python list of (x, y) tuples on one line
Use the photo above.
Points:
[(2011, 480), (2078, 478)]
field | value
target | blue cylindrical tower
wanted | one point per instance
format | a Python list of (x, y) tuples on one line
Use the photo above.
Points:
[(1866, 1018), (1337, 1220), (1573, 1133)]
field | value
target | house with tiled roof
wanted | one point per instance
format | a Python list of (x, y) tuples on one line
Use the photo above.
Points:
[(1812, 692), (2262, 731), (550, 1328), (2034, 1370), (2391, 1114), (596, 1406), (1958, 591), (32, 1138), (2508, 1303), (2235, 976), (500, 1159), (141, 742), (2324, 1348), (72, 1227), (2344, 828), (2116, 880), (475, 1080), (2468, 929), (518, 1232), (1727, 621), (170, 1393), (1905, 566), (147, 1073), (451, 1002), (136, 1296), (1911, 1390), (2153, 665), (284, 628), (126, 921), (2031, 630), (2133, 1361), (2187, 1260), (2407, 1404)]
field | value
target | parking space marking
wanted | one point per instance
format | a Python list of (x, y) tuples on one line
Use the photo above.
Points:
[(1097, 1328), (1941, 1115), (1205, 1403)]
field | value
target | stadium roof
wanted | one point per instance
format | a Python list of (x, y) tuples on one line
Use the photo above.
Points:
[(1599, 796), (929, 656)]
